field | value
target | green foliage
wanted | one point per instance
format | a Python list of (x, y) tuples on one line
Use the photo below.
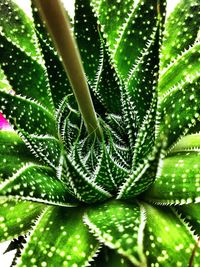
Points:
[(132, 198)]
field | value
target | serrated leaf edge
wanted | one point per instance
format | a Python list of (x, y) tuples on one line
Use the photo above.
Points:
[(106, 239)]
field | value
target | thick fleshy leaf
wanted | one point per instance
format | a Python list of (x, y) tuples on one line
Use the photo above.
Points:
[(64, 111), (178, 181), (4, 84), (145, 140), (179, 80), (24, 69), (142, 177), (109, 174), (179, 110), (190, 142), (107, 85), (168, 241), (14, 154), (117, 129), (17, 217), (122, 156), (191, 214), (119, 226), (59, 84), (184, 68), (69, 121), (84, 187), (27, 114), (18, 27), (77, 157), (89, 151), (129, 117), (88, 38), (65, 240), (142, 80), (46, 148), (181, 30), (37, 183), (119, 149), (120, 24)]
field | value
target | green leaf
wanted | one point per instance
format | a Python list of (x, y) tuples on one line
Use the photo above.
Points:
[(27, 114), (89, 151), (4, 84), (81, 162), (119, 226), (178, 90), (121, 23), (119, 150), (179, 111), (20, 58), (179, 177), (107, 85), (117, 129), (129, 117), (18, 28), (190, 142), (184, 68), (191, 214), (120, 154), (85, 189), (142, 80), (37, 183), (178, 84), (181, 31), (88, 39), (109, 174), (141, 177), (65, 240), (14, 154), (46, 148), (69, 121), (59, 83), (168, 240), (17, 217), (145, 140)]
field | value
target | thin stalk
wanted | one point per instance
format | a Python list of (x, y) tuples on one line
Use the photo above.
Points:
[(53, 13)]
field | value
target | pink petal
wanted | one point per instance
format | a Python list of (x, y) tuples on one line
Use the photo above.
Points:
[(4, 124)]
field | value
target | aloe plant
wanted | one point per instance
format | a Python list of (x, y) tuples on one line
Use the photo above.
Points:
[(131, 197)]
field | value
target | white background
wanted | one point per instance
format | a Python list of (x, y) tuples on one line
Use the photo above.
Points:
[(5, 260)]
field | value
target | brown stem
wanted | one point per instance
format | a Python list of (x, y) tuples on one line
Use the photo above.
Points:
[(193, 253), (58, 26)]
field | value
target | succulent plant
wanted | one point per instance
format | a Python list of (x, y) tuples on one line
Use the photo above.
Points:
[(130, 195)]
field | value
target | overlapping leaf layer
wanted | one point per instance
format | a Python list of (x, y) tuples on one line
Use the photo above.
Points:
[(132, 198)]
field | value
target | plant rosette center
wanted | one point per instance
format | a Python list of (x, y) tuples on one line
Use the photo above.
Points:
[(125, 197), (96, 170)]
